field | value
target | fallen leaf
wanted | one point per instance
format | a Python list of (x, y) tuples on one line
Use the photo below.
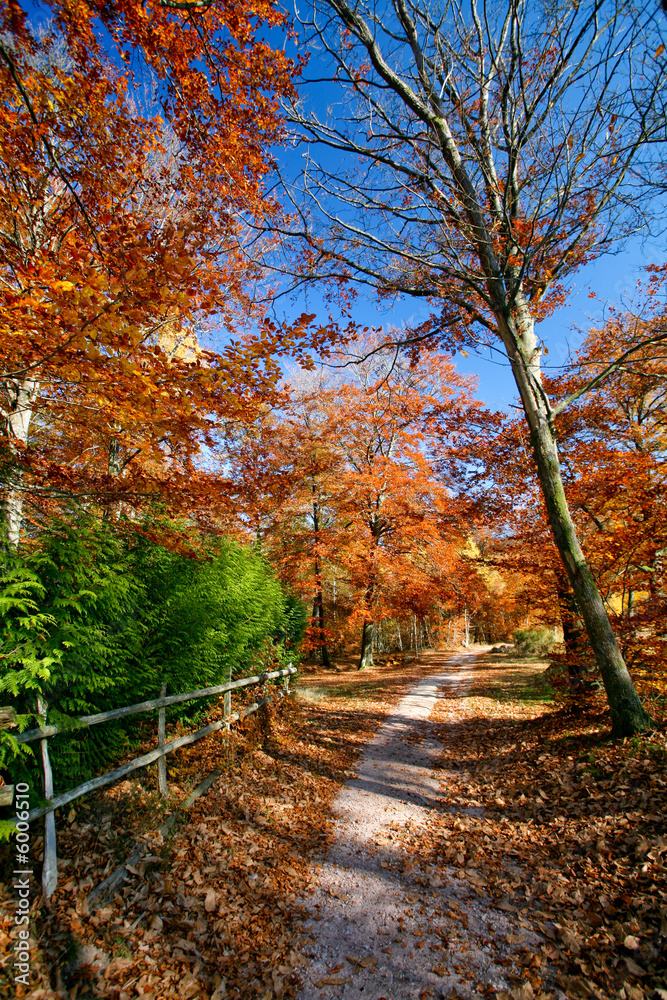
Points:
[(116, 966), (523, 992), (514, 938), (634, 967)]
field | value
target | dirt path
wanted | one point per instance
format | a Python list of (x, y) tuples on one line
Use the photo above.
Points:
[(491, 843), (382, 927)]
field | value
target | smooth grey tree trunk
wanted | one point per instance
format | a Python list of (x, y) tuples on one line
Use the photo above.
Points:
[(628, 715), (366, 655), (21, 396)]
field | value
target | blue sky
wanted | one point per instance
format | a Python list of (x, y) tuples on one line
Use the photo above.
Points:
[(613, 278)]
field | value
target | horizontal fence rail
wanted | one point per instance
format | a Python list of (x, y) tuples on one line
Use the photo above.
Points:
[(50, 866), (31, 735)]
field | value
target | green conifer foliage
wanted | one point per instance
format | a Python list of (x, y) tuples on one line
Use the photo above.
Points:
[(93, 620)]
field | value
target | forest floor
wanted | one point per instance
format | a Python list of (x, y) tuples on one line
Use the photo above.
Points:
[(510, 849)]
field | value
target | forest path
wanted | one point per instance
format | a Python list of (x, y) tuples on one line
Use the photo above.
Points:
[(382, 926)]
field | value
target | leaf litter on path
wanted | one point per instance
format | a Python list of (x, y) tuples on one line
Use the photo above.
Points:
[(396, 926), (211, 910), (540, 858), (559, 826)]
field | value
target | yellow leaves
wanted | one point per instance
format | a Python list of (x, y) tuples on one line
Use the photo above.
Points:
[(659, 51), (64, 286), (570, 141), (134, 335)]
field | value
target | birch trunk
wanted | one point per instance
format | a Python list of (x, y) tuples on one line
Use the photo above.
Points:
[(16, 416)]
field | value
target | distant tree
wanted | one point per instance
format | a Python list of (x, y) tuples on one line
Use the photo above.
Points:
[(352, 477)]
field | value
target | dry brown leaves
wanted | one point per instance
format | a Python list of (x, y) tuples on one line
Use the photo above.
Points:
[(560, 826), (212, 911)]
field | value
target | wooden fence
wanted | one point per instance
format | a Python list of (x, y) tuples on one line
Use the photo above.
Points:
[(42, 734)]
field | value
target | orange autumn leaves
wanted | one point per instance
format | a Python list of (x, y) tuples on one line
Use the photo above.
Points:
[(123, 178), (349, 487), (613, 440)]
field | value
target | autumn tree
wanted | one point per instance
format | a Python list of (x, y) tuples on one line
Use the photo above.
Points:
[(282, 468), (480, 154), (120, 230), (350, 479), (403, 526), (613, 446)]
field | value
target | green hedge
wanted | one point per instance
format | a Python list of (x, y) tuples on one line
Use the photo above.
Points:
[(93, 619)]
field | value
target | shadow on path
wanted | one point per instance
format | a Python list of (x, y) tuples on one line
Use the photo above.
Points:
[(382, 927)]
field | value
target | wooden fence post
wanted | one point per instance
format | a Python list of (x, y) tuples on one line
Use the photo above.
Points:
[(161, 734), (50, 867), (43, 731), (227, 707)]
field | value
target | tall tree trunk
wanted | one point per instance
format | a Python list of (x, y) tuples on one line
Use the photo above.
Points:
[(114, 469), (627, 712), (114, 460), (318, 616), (573, 626), (366, 655), (318, 600), (516, 327), (16, 416), (628, 715), (368, 629)]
